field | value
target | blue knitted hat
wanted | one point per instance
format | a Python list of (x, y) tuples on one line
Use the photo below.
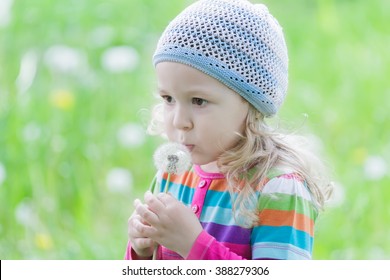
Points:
[(238, 43)]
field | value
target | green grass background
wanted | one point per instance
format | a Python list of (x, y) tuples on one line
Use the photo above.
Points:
[(339, 76)]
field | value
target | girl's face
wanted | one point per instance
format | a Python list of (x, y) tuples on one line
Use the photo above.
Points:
[(199, 111)]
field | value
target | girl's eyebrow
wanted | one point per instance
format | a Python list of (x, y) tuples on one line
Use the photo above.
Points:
[(196, 92), (161, 91)]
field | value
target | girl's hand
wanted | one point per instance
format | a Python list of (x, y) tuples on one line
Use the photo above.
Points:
[(143, 246), (168, 222)]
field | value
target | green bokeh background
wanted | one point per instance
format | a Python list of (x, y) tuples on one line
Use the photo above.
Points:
[(59, 138)]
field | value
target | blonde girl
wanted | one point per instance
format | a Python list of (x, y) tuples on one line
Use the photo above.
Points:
[(252, 192)]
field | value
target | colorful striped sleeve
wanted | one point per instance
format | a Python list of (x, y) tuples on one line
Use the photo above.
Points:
[(286, 220)]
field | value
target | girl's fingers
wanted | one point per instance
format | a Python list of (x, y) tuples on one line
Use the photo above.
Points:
[(147, 216), (143, 242), (143, 230), (134, 222), (154, 204), (166, 198), (137, 202)]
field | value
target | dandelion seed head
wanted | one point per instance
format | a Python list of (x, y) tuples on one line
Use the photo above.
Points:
[(120, 59), (375, 168), (64, 59), (172, 158), (119, 180), (31, 132), (131, 135), (25, 214)]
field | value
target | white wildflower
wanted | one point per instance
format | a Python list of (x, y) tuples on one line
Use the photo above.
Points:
[(65, 59), (3, 173), (375, 168), (25, 214), (119, 180), (31, 132), (131, 135), (120, 59), (27, 72), (5, 12), (172, 158)]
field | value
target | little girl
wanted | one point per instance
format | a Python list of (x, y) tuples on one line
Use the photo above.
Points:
[(251, 193)]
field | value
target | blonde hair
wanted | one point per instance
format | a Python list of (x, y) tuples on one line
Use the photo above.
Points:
[(260, 149)]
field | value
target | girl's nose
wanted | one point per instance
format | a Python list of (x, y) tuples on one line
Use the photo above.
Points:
[(182, 118)]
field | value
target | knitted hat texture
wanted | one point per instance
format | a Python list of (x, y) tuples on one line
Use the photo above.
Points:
[(238, 43)]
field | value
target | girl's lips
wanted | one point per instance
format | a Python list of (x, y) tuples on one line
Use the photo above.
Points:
[(190, 147)]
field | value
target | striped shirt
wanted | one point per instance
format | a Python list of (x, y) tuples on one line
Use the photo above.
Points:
[(286, 217)]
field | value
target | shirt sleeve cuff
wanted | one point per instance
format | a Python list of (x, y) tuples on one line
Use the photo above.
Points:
[(201, 246)]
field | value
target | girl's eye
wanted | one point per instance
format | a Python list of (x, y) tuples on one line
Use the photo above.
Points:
[(168, 99), (199, 101)]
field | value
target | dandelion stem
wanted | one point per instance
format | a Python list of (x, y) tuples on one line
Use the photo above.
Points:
[(167, 183), (152, 186), (155, 252)]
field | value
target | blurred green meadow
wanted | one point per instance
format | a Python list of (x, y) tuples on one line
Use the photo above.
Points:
[(76, 83)]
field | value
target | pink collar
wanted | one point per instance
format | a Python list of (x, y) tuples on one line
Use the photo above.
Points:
[(206, 175)]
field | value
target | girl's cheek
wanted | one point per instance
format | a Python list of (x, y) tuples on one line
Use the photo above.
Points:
[(167, 123), (168, 130)]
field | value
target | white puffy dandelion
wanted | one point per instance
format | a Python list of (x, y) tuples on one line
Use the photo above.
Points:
[(64, 59), (131, 135), (119, 180), (172, 158), (25, 214), (375, 168), (120, 59), (31, 132)]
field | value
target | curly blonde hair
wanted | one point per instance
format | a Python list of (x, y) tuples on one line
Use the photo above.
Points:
[(260, 149)]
